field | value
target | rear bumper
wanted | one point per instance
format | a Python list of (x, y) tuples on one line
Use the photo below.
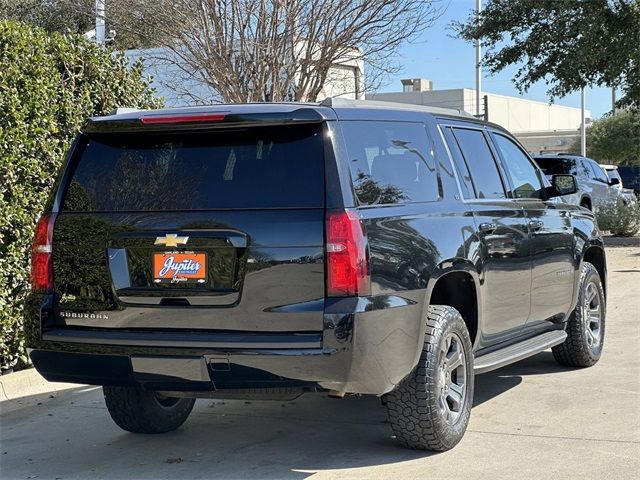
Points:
[(363, 348), (177, 372)]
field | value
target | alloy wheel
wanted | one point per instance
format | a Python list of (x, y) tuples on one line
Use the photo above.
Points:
[(592, 315), (452, 378)]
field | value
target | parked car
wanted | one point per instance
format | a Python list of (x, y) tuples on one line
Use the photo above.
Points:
[(595, 189), (630, 177), (614, 174), (265, 250)]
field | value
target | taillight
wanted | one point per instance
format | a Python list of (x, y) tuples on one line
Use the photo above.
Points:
[(41, 261), (346, 259), (156, 119)]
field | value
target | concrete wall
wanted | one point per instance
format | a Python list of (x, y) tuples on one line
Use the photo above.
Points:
[(513, 113), (538, 125), (454, 98), (559, 141)]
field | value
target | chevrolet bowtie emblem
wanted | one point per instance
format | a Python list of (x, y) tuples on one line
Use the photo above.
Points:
[(171, 240)]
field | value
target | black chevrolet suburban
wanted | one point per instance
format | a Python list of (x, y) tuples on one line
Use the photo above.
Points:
[(265, 250)]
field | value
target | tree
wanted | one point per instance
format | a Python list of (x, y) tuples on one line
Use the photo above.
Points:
[(569, 44), (614, 139), (53, 16), (249, 50), (49, 85), (132, 29), (275, 50)]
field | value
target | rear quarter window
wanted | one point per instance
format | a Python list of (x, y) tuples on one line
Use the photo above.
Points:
[(264, 167), (390, 162)]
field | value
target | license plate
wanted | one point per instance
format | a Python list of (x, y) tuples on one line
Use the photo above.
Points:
[(179, 267)]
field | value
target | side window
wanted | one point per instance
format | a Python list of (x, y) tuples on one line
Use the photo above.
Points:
[(525, 180), (573, 166), (585, 170), (464, 176), (390, 162), (599, 173), (485, 176)]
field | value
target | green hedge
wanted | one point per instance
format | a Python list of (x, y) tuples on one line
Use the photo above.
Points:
[(619, 219), (49, 84)]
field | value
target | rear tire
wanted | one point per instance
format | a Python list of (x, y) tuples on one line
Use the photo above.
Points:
[(430, 408), (585, 328), (143, 411)]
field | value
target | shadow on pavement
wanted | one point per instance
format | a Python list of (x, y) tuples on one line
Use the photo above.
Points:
[(72, 436), (492, 384)]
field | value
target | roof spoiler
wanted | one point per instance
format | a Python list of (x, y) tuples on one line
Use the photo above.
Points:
[(148, 120)]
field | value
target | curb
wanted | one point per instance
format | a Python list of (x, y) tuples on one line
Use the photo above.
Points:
[(27, 382), (621, 241)]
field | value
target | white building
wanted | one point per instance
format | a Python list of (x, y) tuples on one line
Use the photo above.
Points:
[(539, 126)]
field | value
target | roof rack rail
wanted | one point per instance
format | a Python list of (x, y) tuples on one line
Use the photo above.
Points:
[(348, 103)]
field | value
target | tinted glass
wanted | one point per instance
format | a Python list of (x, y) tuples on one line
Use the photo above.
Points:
[(262, 167), (557, 166), (630, 176), (598, 173), (464, 177), (522, 173), (482, 166), (584, 170), (613, 173), (391, 162)]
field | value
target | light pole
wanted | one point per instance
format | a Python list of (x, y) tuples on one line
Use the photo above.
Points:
[(478, 59), (100, 34), (583, 129)]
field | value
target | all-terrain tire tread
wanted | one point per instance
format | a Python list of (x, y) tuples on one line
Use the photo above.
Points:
[(574, 352), (411, 407), (132, 409)]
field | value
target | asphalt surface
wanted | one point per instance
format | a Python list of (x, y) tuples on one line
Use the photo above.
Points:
[(531, 420)]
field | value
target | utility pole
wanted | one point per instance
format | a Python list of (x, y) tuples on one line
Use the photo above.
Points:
[(478, 60), (613, 101), (100, 34), (583, 129), (486, 108)]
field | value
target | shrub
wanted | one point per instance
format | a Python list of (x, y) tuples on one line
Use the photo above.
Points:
[(620, 219), (49, 84)]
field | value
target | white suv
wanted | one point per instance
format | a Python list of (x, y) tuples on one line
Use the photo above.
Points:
[(595, 188)]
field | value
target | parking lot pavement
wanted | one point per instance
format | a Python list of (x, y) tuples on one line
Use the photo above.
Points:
[(530, 420)]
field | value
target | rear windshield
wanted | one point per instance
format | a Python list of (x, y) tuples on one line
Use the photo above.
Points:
[(557, 166), (265, 167)]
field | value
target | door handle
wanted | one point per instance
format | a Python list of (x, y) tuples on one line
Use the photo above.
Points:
[(487, 227), (536, 224)]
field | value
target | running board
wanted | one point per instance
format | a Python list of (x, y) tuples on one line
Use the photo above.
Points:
[(518, 351)]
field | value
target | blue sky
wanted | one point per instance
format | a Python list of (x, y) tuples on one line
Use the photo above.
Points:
[(450, 63)]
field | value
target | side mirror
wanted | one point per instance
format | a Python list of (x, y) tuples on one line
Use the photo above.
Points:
[(614, 181), (562, 185)]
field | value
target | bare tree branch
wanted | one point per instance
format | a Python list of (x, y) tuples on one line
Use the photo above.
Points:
[(253, 50), (280, 50)]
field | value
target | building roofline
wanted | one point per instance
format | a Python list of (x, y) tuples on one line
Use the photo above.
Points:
[(424, 91)]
